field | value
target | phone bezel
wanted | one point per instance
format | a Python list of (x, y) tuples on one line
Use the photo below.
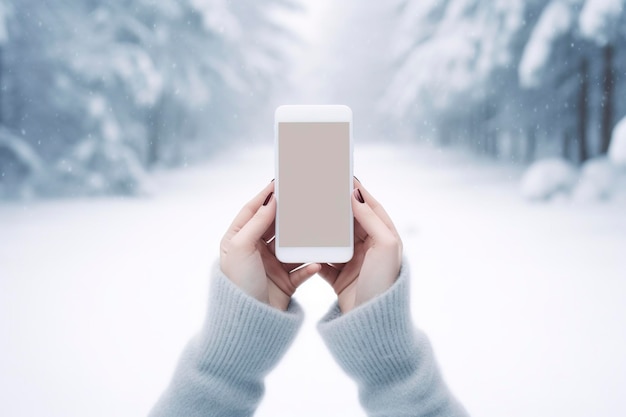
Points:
[(313, 113)]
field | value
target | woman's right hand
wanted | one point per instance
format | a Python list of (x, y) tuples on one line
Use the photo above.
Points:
[(377, 257)]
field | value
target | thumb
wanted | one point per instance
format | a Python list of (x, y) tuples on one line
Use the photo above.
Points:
[(299, 276), (368, 219), (254, 229)]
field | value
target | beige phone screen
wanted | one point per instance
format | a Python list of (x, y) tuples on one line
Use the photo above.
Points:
[(315, 184)]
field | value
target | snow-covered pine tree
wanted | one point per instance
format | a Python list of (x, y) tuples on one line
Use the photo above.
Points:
[(574, 44), (604, 22), (21, 170), (455, 65), (103, 90), (555, 63), (4, 37), (532, 71)]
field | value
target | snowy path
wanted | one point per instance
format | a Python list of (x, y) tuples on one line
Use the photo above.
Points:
[(524, 304)]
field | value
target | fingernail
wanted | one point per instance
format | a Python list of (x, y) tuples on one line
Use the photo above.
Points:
[(275, 178), (359, 196), (268, 198), (356, 178)]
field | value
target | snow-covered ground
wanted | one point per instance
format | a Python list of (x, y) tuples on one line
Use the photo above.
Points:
[(524, 303)]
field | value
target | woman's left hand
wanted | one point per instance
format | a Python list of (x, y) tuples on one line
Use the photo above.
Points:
[(248, 260)]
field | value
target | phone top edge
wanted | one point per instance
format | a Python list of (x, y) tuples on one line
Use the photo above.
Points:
[(312, 112)]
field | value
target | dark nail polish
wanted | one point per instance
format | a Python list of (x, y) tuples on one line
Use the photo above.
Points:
[(275, 178), (356, 178), (268, 198), (359, 196)]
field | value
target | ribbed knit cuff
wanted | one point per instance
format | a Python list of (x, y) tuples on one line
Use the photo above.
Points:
[(375, 342), (242, 337)]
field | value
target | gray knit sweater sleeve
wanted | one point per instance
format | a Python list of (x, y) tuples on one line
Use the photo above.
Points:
[(391, 361), (221, 371)]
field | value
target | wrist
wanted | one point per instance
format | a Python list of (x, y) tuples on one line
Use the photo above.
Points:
[(376, 340), (242, 335)]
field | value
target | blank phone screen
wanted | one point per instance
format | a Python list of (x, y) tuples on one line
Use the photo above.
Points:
[(314, 184)]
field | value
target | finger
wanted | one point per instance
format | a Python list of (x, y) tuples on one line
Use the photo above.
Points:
[(287, 267), (369, 220), (251, 207), (328, 273), (377, 208), (351, 271), (298, 276), (270, 232), (272, 246), (359, 232), (275, 272), (254, 229)]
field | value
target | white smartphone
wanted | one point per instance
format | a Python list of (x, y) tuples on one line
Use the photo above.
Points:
[(313, 148)]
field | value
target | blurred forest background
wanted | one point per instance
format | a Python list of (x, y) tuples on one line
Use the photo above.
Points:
[(95, 95)]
